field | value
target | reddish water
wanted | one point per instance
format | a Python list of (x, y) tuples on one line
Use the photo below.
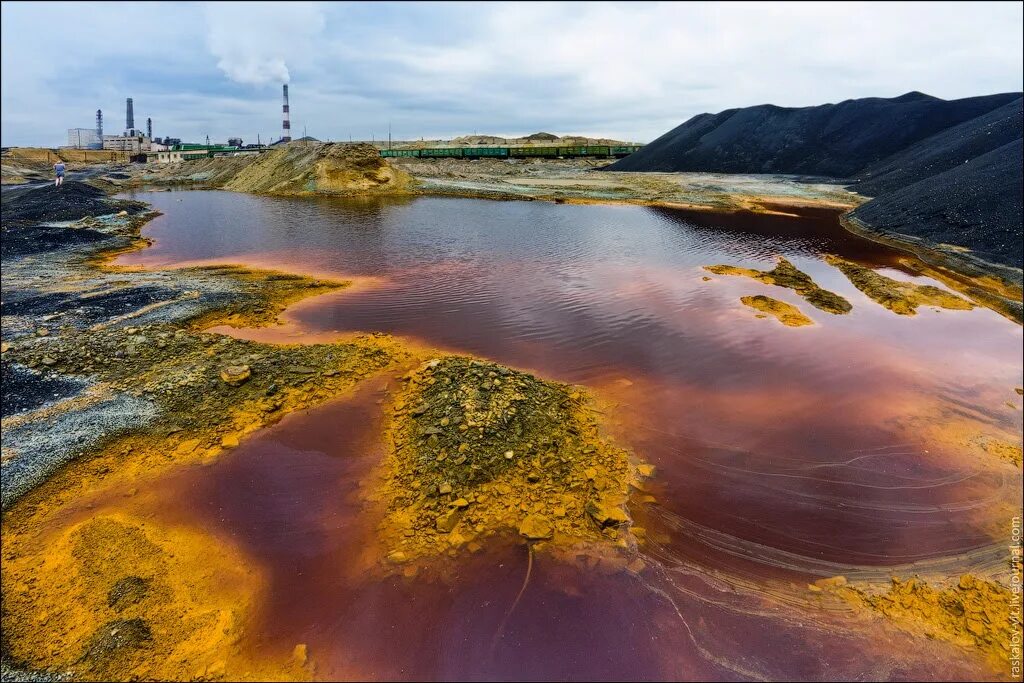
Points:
[(783, 454)]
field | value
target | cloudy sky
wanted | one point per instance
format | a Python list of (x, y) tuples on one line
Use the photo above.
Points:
[(629, 71)]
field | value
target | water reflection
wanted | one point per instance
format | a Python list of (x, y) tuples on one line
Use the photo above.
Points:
[(782, 454)]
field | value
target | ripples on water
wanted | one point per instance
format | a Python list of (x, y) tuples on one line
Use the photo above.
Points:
[(783, 454)]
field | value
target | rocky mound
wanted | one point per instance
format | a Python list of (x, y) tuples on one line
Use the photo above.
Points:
[(479, 449), (293, 169)]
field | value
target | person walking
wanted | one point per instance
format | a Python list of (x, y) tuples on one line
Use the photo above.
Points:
[(59, 168)]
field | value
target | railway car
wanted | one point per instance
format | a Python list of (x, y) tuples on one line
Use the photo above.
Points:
[(619, 151), (584, 151), (527, 152), (441, 153), (599, 151), (485, 152)]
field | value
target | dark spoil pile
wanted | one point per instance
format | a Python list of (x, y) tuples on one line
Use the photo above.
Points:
[(976, 204), (26, 389), (939, 171), (24, 214), (70, 201)]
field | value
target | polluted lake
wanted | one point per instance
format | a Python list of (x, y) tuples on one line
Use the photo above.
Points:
[(529, 440)]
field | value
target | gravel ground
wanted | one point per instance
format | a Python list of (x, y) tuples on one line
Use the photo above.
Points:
[(62, 438)]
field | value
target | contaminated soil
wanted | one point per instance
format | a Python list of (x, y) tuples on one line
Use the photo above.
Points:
[(117, 381), (785, 274), (787, 314), (480, 449), (902, 298), (969, 611), (120, 381)]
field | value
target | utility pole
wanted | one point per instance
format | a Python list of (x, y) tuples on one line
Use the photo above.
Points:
[(389, 135)]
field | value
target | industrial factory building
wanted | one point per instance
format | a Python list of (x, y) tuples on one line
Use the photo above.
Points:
[(83, 138), (133, 140)]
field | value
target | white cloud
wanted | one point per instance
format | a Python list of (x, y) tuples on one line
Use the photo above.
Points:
[(254, 41), (625, 70)]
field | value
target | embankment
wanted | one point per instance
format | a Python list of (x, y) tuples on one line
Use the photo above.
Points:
[(294, 169), (19, 165)]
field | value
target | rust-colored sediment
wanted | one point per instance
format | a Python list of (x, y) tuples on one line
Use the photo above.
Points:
[(120, 598), (478, 449), (785, 274), (902, 298), (972, 612), (787, 314)]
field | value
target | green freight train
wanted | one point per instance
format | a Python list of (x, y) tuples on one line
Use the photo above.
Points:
[(599, 151)]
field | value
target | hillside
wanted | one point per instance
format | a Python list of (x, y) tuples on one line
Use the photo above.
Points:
[(976, 204), (292, 169), (939, 172), (943, 151), (836, 140)]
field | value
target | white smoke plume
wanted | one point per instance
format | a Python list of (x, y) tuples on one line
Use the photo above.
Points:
[(255, 42)]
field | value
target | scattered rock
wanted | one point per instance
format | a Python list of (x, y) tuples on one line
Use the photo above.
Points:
[(398, 557), (536, 528), (116, 636), (605, 513), (229, 440), (235, 375), (448, 521)]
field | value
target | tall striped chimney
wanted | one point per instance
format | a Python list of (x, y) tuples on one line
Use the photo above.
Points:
[(129, 118), (99, 125), (286, 124), (149, 128)]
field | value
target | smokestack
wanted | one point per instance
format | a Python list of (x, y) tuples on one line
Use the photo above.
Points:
[(149, 128), (99, 125), (286, 125), (129, 117)]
